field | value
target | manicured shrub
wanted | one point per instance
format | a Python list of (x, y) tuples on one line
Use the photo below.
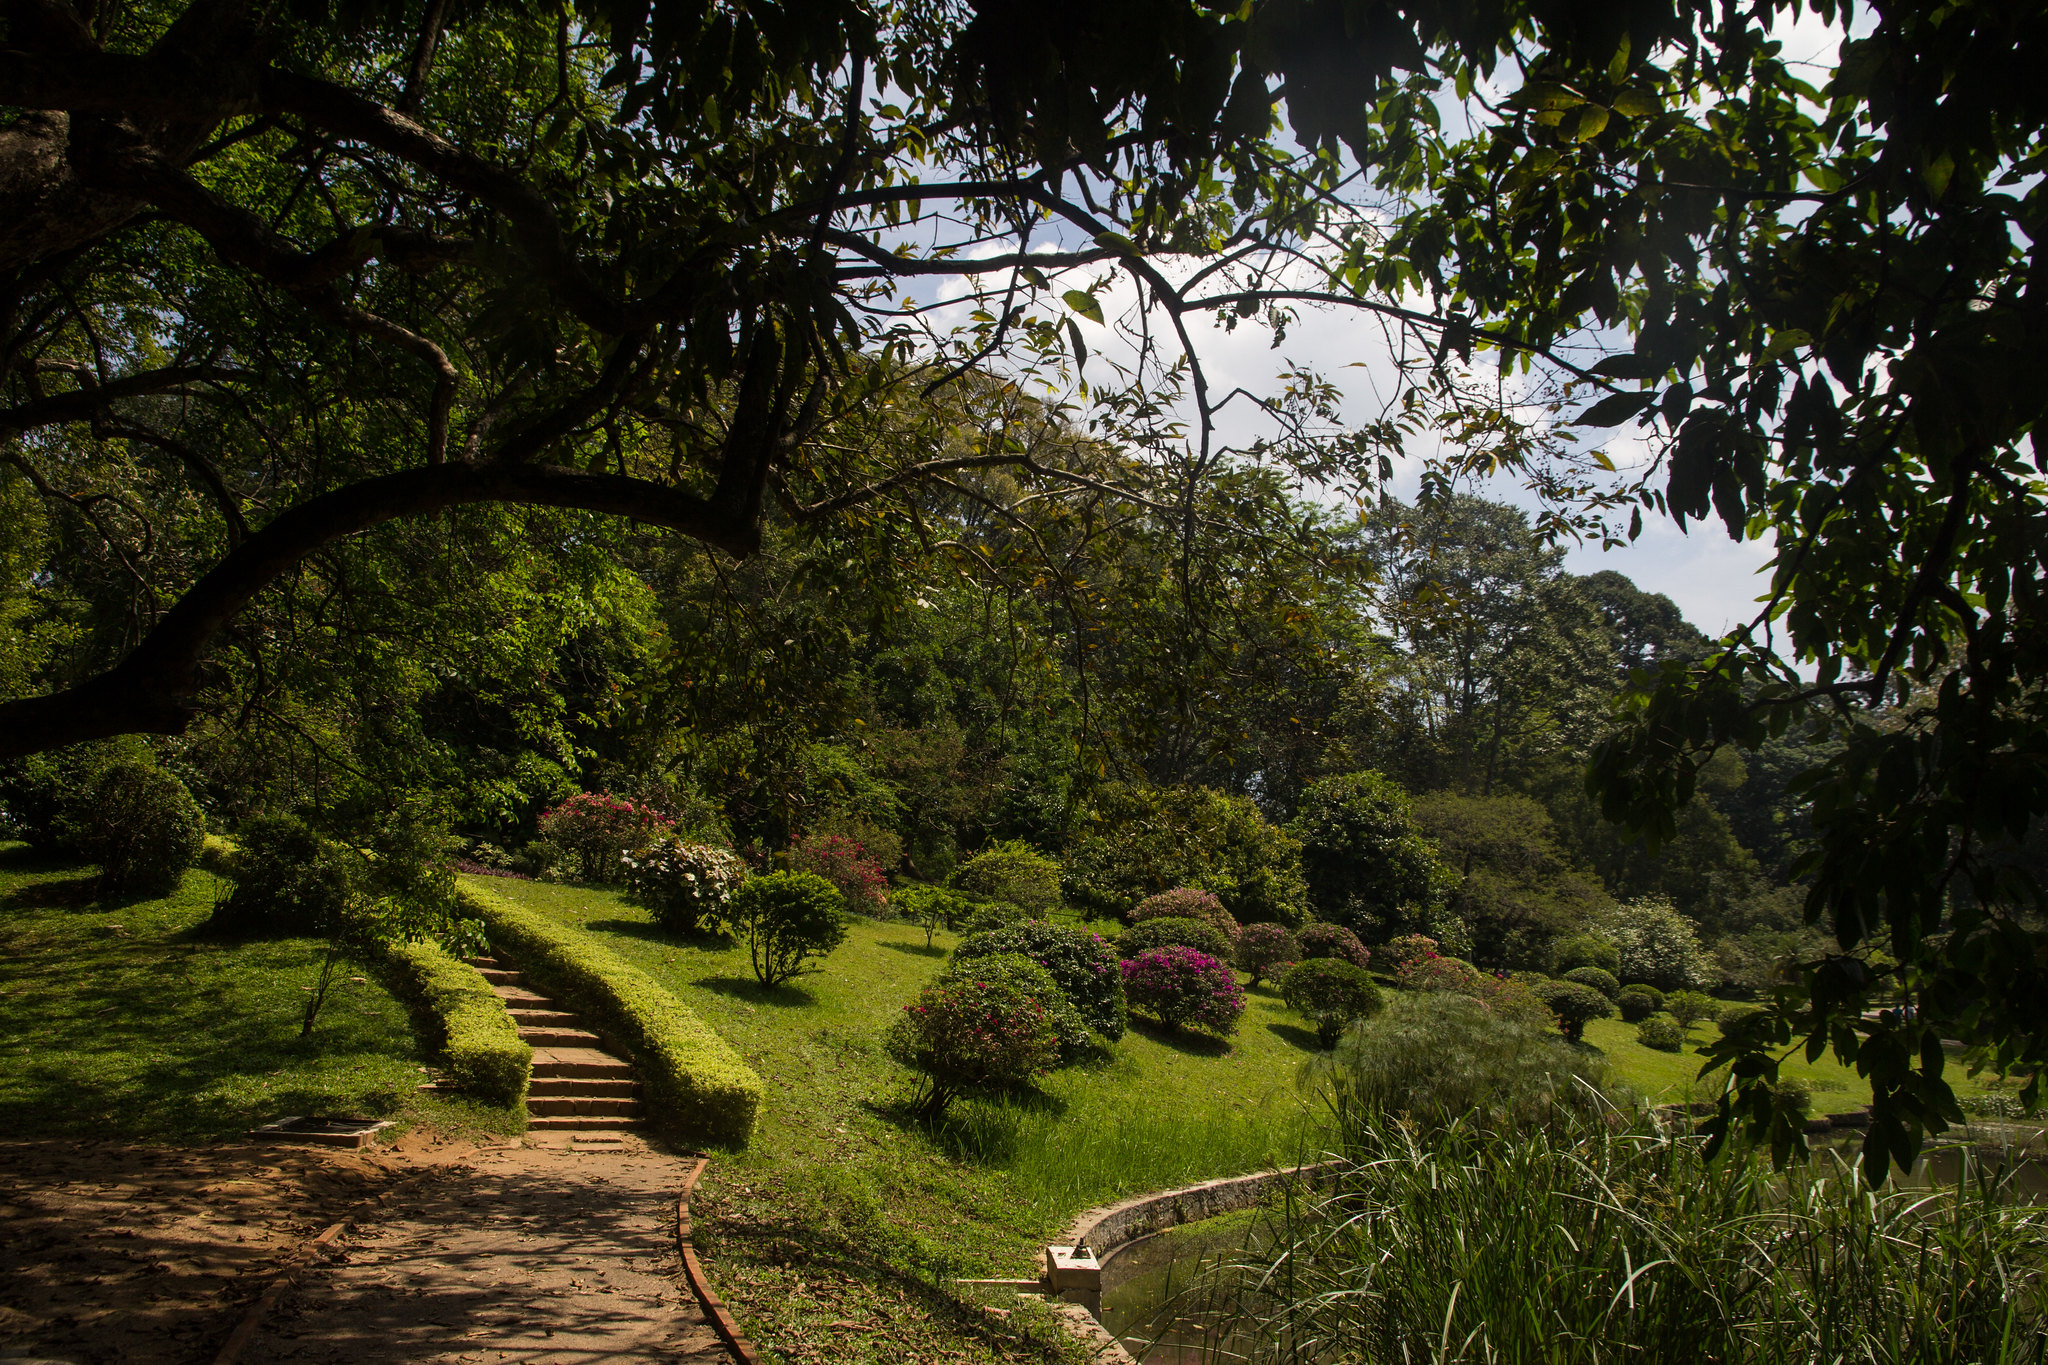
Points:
[(1600, 980), (1575, 1005), (1264, 948), (1438, 1058), (1011, 871), (1586, 950), (1661, 1031), (1734, 1015), (845, 864), (786, 919), (1331, 994), (1397, 954), (1017, 970), (142, 827), (1135, 842), (1181, 987), (971, 1036), (288, 881), (1083, 964), (695, 1084), (465, 1022), (1433, 973), (1187, 902), (1656, 944), (1365, 864), (1332, 940), (1691, 1007), (594, 831), (1639, 1002), (689, 887), (1162, 933)]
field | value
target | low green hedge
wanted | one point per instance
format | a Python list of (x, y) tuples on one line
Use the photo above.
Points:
[(480, 1046), (695, 1084)]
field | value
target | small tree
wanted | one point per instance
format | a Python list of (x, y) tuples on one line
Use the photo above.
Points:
[(787, 918), (972, 1035), (1181, 987), (1575, 1005), (1398, 954), (932, 908), (1690, 1007), (1330, 994), (1264, 947)]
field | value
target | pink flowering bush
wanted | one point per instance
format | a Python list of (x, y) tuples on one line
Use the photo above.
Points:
[(1432, 973), (595, 830), (1266, 949), (1186, 902), (845, 863), (1333, 941), (1181, 987), (1398, 953), (973, 1035)]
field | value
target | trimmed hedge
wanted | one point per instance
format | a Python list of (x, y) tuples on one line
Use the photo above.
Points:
[(695, 1084), (480, 1045)]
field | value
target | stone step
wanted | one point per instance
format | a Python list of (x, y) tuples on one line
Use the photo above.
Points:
[(482, 961), (550, 1105), (624, 1087), (520, 998), (499, 976), (553, 1035), (578, 1061), (546, 1122), (527, 1017)]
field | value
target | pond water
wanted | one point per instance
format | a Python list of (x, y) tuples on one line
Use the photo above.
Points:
[(1141, 1279)]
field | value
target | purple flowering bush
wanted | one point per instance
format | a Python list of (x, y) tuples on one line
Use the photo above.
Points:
[(1264, 949), (970, 1036), (1181, 988)]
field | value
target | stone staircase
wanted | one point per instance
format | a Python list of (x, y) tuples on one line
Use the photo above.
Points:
[(577, 1085)]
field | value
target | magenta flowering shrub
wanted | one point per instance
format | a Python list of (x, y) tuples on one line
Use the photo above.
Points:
[(967, 1036), (1187, 902), (595, 831), (846, 864), (1397, 954), (1266, 950), (1333, 941), (1181, 987)]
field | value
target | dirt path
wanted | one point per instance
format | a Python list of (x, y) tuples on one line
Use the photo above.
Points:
[(133, 1254)]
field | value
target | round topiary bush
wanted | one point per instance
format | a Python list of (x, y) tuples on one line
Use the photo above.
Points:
[(971, 1036), (1181, 988), (1661, 1032), (1604, 982), (1691, 1007), (1639, 1002), (1013, 872), (1585, 950), (1186, 902), (1083, 964), (787, 918), (1397, 954), (1334, 941), (1015, 969), (1162, 933), (288, 881), (1574, 1004), (1262, 948), (689, 887), (1433, 973), (1331, 994), (143, 828)]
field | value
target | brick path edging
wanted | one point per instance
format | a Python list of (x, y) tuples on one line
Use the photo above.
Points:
[(714, 1309)]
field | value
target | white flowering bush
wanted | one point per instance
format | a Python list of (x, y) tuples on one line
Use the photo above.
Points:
[(1657, 945), (689, 887)]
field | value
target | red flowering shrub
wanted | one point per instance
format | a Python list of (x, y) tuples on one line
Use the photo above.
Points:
[(1264, 949), (967, 1036), (846, 864), (1185, 902), (1179, 986), (1333, 941), (595, 831), (1396, 954)]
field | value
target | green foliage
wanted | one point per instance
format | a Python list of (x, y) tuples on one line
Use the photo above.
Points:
[(1397, 955), (1200, 935), (1639, 1002), (288, 881), (695, 1084), (596, 830), (1657, 945), (41, 795), (1187, 902), (1519, 893), (1586, 950), (1575, 1004), (1017, 971), (786, 919), (1604, 982), (1334, 940), (973, 1035), (1011, 871), (1691, 1007), (1084, 964), (1435, 973), (1331, 994), (847, 865), (932, 908), (1263, 947), (1661, 1032), (466, 1023), (688, 886), (1139, 841), (142, 827), (1366, 865), (1442, 1058)]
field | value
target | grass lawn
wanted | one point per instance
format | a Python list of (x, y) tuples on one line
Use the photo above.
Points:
[(836, 1228), (119, 1021)]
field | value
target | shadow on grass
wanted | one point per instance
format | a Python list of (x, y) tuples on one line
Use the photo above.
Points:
[(1181, 1040), (987, 1131), (1296, 1036), (754, 993), (65, 893), (915, 949)]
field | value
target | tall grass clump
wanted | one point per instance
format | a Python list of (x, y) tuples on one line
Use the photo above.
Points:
[(1581, 1232)]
